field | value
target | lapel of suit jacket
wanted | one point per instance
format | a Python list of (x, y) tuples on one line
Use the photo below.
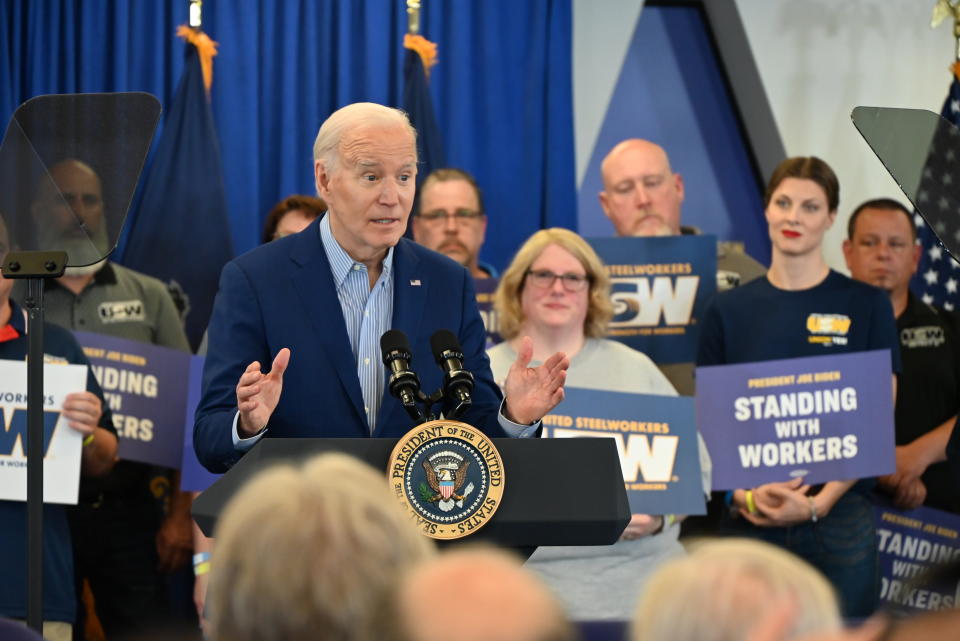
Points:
[(409, 299), (313, 281)]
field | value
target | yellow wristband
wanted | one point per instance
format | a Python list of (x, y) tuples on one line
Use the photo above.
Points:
[(88, 439), (751, 505), (201, 568)]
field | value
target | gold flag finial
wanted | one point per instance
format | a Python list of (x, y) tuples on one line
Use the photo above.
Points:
[(413, 16), (943, 10)]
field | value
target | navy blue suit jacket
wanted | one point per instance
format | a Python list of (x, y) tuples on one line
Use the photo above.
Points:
[(282, 295)]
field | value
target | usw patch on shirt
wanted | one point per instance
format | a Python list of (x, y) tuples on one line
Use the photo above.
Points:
[(923, 336), (828, 329), (121, 311)]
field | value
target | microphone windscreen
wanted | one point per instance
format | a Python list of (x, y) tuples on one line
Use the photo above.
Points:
[(443, 340), (394, 340)]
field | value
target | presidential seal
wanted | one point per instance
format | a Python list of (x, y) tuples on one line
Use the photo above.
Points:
[(449, 476)]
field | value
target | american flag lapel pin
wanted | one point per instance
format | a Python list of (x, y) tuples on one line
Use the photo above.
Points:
[(415, 282)]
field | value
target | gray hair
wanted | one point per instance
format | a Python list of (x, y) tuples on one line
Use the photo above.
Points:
[(327, 145), (723, 588), (302, 550)]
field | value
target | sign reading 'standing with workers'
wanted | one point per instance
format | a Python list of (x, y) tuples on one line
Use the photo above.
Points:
[(659, 289), (61, 443), (145, 387), (910, 544), (820, 418)]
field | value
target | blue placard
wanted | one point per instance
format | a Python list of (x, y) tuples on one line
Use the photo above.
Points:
[(656, 438), (822, 418), (659, 288), (485, 288), (193, 476), (911, 542), (145, 387)]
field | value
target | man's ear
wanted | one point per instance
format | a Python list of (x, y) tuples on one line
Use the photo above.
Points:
[(680, 188), (321, 178), (603, 203)]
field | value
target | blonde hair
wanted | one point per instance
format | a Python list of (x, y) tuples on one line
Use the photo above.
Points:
[(506, 300), (311, 550), (724, 587)]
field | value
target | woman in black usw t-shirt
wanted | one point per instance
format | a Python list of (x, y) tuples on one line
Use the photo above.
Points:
[(784, 316)]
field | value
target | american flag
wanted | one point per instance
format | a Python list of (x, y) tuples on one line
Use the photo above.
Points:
[(937, 280)]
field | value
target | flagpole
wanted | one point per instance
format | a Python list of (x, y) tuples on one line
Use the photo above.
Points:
[(943, 10), (413, 16), (196, 14)]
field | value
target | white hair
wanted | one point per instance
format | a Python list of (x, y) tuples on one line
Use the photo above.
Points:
[(724, 587), (309, 551), (327, 145)]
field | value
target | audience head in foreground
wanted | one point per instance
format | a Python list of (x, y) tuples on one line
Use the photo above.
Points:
[(310, 552), (723, 588), (478, 594)]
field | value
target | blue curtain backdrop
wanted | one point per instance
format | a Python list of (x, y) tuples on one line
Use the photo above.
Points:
[(502, 89)]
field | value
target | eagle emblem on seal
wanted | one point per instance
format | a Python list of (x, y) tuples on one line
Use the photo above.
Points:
[(446, 471)]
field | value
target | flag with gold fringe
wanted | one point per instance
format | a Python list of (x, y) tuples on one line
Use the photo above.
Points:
[(421, 55), (180, 231)]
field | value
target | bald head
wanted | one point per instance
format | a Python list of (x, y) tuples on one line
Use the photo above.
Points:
[(479, 595), (641, 195)]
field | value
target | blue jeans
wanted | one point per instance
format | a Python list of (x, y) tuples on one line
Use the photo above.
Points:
[(841, 545)]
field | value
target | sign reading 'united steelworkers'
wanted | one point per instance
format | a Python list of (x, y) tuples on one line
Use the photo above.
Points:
[(656, 439), (145, 387), (659, 289), (822, 418), (61, 443)]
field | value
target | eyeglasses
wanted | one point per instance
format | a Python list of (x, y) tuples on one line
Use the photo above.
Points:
[(544, 279), (439, 216)]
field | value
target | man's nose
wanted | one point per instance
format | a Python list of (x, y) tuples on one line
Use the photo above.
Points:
[(640, 196), (389, 192), (450, 223)]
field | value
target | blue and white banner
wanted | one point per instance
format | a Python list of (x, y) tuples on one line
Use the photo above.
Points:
[(146, 389), (61, 443), (822, 418), (910, 543), (659, 289), (655, 436)]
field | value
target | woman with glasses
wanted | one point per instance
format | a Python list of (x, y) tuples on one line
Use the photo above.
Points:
[(557, 292), (803, 308)]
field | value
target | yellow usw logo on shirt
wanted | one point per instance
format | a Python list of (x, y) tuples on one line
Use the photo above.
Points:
[(828, 329)]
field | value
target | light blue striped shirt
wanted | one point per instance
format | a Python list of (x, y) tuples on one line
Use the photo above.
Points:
[(367, 313)]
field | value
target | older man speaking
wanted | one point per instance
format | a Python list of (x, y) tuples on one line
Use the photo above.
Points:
[(315, 305)]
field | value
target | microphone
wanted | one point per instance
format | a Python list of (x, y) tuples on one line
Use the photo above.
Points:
[(403, 383), (457, 382)]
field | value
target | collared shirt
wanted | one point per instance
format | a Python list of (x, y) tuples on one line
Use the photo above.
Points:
[(367, 313)]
